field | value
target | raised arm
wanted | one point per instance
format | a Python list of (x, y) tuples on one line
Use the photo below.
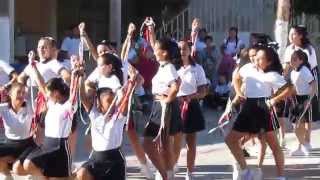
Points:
[(77, 83), (65, 75), (84, 36), (151, 31), (86, 96), (38, 78), (132, 83), (196, 25), (127, 43)]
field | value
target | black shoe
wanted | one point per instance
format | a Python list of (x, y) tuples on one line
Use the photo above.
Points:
[(245, 153)]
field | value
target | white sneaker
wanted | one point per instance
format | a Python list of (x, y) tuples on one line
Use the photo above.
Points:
[(297, 152), (246, 174), (308, 146), (305, 150), (283, 143), (236, 171), (170, 175), (158, 176), (258, 175), (189, 176), (146, 171)]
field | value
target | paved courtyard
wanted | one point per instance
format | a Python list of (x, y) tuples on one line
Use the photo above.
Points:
[(214, 159)]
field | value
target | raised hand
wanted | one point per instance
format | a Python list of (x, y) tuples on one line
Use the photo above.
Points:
[(131, 28), (196, 24), (132, 72), (82, 27), (77, 65), (31, 57)]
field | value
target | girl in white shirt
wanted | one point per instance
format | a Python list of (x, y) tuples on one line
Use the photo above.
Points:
[(305, 87), (106, 161), (17, 118), (108, 72), (298, 36), (193, 87), (52, 158), (164, 113), (232, 44), (259, 81)]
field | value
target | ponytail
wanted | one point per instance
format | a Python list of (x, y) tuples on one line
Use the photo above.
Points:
[(57, 84), (116, 63)]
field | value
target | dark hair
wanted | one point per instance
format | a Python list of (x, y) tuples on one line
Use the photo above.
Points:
[(237, 39), (10, 88), (202, 30), (62, 56), (179, 63), (109, 58), (168, 46), (208, 38), (104, 42), (261, 38), (103, 90), (244, 57), (272, 57), (108, 43), (57, 84), (303, 56), (51, 40), (305, 42), (223, 75), (72, 26)]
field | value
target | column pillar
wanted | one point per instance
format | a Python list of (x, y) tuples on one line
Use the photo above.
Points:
[(7, 30), (115, 22), (53, 18)]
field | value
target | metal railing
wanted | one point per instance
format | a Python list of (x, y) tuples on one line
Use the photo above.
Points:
[(178, 26)]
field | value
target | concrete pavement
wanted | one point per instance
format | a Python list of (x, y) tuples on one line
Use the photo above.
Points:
[(214, 160)]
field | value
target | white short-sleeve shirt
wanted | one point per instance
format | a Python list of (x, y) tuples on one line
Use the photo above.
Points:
[(17, 125), (191, 78), (112, 81), (272, 81), (253, 86), (106, 134), (5, 70), (166, 75), (58, 120), (259, 84), (232, 47), (312, 57), (301, 80), (48, 70)]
